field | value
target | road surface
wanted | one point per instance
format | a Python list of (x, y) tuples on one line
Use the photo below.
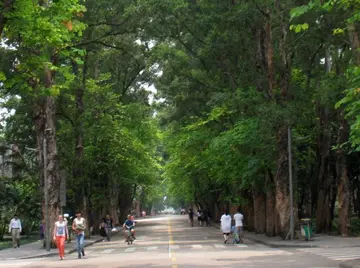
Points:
[(168, 241)]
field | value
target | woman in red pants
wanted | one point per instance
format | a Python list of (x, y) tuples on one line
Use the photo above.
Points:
[(60, 235)]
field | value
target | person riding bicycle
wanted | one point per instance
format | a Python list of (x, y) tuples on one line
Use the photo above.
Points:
[(129, 225)]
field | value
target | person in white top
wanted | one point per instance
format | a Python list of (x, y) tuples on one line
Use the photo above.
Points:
[(15, 230), (238, 218), (60, 235), (79, 226), (226, 225)]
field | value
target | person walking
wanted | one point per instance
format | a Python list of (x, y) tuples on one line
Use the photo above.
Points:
[(15, 230), (42, 230), (226, 225), (191, 217), (238, 218), (61, 233), (108, 226), (79, 226), (102, 231)]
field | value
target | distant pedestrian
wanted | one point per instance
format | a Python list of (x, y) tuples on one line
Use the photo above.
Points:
[(198, 214), (108, 226), (205, 218), (102, 229), (226, 225), (79, 226), (238, 217), (42, 230), (191, 217), (209, 218), (61, 234), (15, 230)]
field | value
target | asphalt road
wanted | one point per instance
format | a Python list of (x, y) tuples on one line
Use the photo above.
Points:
[(168, 241)]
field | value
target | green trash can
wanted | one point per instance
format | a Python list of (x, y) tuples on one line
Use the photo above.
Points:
[(306, 229)]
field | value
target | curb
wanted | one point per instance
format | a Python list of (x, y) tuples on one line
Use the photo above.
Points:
[(350, 264), (271, 244), (55, 253)]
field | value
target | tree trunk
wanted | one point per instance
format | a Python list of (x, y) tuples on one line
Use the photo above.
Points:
[(282, 195), (53, 176), (249, 215), (343, 134), (343, 177), (114, 199), (323, 212), (259, 212), (79, 140)]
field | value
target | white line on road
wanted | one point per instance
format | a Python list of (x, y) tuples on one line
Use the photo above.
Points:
[(107, 251), (196, 246), (173, 247), (242, 246), (129, 250), (219, 246), (152, 248), (205, 237), (345, 258)]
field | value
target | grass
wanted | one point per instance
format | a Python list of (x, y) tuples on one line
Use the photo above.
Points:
[(7, 242)]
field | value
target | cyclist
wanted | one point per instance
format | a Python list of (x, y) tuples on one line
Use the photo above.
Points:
[(129, 225)]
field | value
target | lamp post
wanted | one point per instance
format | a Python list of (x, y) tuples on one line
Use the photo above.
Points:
[(291, 187), (46, 197)]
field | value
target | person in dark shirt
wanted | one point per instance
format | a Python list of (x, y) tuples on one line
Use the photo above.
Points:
[(191, 217), (129, 225), (108, 226)]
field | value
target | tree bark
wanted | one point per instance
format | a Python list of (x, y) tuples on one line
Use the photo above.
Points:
[(79, 139), (270, 207), (282, 195), (343, 135), (343, 177), (323, 189), (114, 199), (259, 212), (53, 177)]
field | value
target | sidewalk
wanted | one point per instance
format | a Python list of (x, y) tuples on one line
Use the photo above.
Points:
[(319, 241), (35, 250)]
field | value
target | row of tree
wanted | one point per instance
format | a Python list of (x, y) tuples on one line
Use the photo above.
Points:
[(72, 75), (236, 76), (231, 77)]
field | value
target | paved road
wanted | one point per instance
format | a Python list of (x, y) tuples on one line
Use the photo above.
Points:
[(168, 241)]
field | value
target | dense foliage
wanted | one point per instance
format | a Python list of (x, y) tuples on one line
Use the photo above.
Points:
[(232, 78)]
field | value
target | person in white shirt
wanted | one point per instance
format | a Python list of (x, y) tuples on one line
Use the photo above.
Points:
[(226, 225), (15, 230), (79, 226), (238, 218), (60, 235)]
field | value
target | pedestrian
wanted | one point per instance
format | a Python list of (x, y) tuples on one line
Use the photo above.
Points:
[(61, 234), (199, 218), (191, 217), (102, 231), (79, 226), (208, 218), (42, 230), (238, 217), (226, 225), (15, 230), (205, 218), (108, 226)]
